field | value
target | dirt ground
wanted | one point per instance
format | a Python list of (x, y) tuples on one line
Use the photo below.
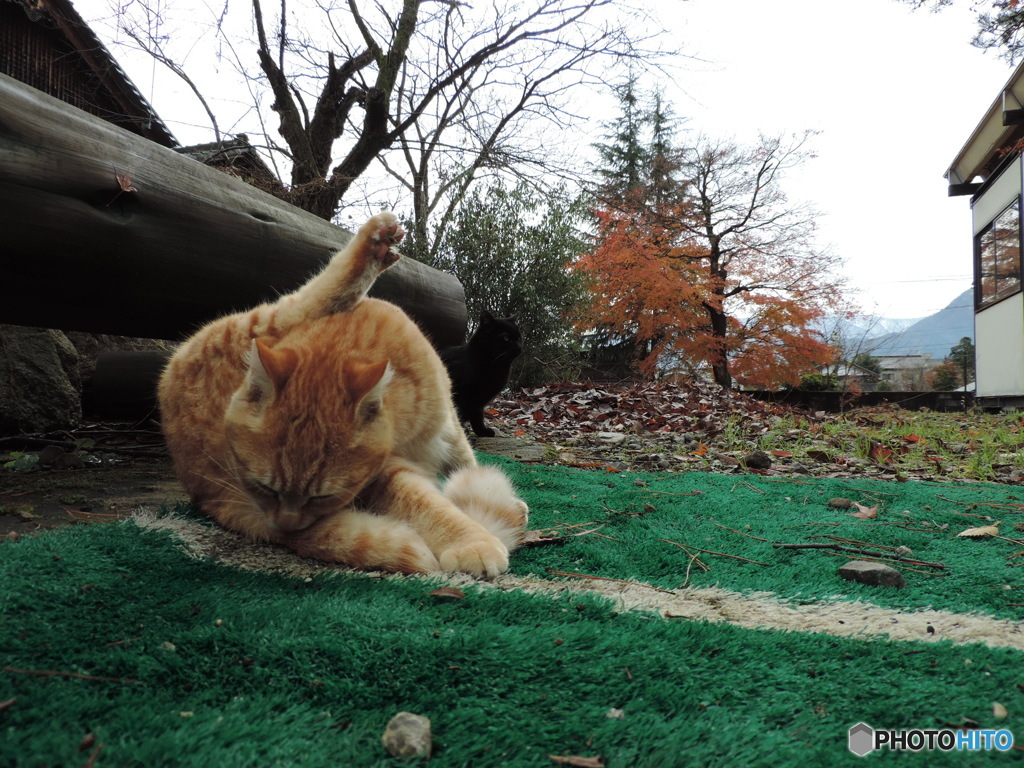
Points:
[(97, 474)]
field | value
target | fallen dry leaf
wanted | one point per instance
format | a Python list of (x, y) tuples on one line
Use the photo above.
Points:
[(542, 537), (865, 513), (124, 181), (980, 533), (880, 453), (453, 592), (578, 762)]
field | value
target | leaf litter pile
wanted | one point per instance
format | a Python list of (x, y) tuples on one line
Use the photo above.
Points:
[(702, 427)]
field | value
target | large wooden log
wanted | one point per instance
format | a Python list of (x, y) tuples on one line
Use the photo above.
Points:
[(77, 252)]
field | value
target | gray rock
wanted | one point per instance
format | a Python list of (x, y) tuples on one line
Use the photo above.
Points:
[(875, 574), (408, 735), (39, 386)]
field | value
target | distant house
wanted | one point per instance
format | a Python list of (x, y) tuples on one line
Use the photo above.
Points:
[(46, 44), (906, 373), (989, 168), (850, 377), (238, 158)]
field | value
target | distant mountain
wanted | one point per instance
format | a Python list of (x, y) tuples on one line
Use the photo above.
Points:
[(863, 327), (935, 334), (856, 334)]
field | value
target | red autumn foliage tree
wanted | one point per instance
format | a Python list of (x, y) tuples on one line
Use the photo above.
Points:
[(723, 275)]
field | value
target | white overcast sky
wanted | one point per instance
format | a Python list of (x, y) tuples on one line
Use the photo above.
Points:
[(894, 93)]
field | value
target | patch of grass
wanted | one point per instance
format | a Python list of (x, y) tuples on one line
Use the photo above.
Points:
[(973, 445)]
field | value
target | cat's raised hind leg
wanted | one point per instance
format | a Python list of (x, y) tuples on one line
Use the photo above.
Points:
[(348, 276)]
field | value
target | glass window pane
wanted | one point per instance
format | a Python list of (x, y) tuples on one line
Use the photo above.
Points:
[(998, 254)]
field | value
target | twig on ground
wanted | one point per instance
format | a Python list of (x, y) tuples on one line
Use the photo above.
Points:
[(990, 504), (901, 563), (754, 488), (667, 493), (537, 538), (687, 547), (741, 533), (91, 762), (698, 561), (843, 540), (873, 493), (861, 552)]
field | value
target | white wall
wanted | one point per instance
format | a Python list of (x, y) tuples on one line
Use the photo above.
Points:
[(999, 329), (999, 345)]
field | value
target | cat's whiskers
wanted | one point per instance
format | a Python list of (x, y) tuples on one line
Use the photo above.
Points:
[(226, 484)]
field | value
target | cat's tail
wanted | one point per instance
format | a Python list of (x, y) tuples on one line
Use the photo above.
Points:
[(486, 495)]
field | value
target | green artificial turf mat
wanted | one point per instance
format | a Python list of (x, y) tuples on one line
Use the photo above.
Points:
[(186, 662), (637, 511)]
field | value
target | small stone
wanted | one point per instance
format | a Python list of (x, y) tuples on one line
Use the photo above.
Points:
[(840, 503), (904, 551), (757, 460), (611, 438), (875, 574), (615, 714), (408, 735)]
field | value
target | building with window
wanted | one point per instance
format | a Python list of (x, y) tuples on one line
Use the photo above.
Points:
[(989, 169)]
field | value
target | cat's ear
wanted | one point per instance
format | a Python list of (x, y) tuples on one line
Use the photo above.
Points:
[(366, 385), (486, 317), (269, 370)]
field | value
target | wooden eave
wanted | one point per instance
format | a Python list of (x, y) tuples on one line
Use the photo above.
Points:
[(1000, 128), (116, 82)]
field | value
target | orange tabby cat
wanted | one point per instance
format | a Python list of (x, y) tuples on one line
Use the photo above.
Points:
[(322, 422)]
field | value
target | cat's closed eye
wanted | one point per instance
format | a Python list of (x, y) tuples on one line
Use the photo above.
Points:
[(319, 500), (262, 489)]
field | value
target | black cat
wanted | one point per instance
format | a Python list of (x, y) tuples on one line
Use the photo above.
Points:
[(479, 369)]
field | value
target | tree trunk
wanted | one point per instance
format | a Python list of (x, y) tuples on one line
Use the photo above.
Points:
[(718, 358), (104, 231)]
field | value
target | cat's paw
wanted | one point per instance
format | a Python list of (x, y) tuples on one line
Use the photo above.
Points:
[(483, 558), (380, 234)]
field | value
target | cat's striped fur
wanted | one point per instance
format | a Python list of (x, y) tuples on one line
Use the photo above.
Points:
[(323, 421)]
